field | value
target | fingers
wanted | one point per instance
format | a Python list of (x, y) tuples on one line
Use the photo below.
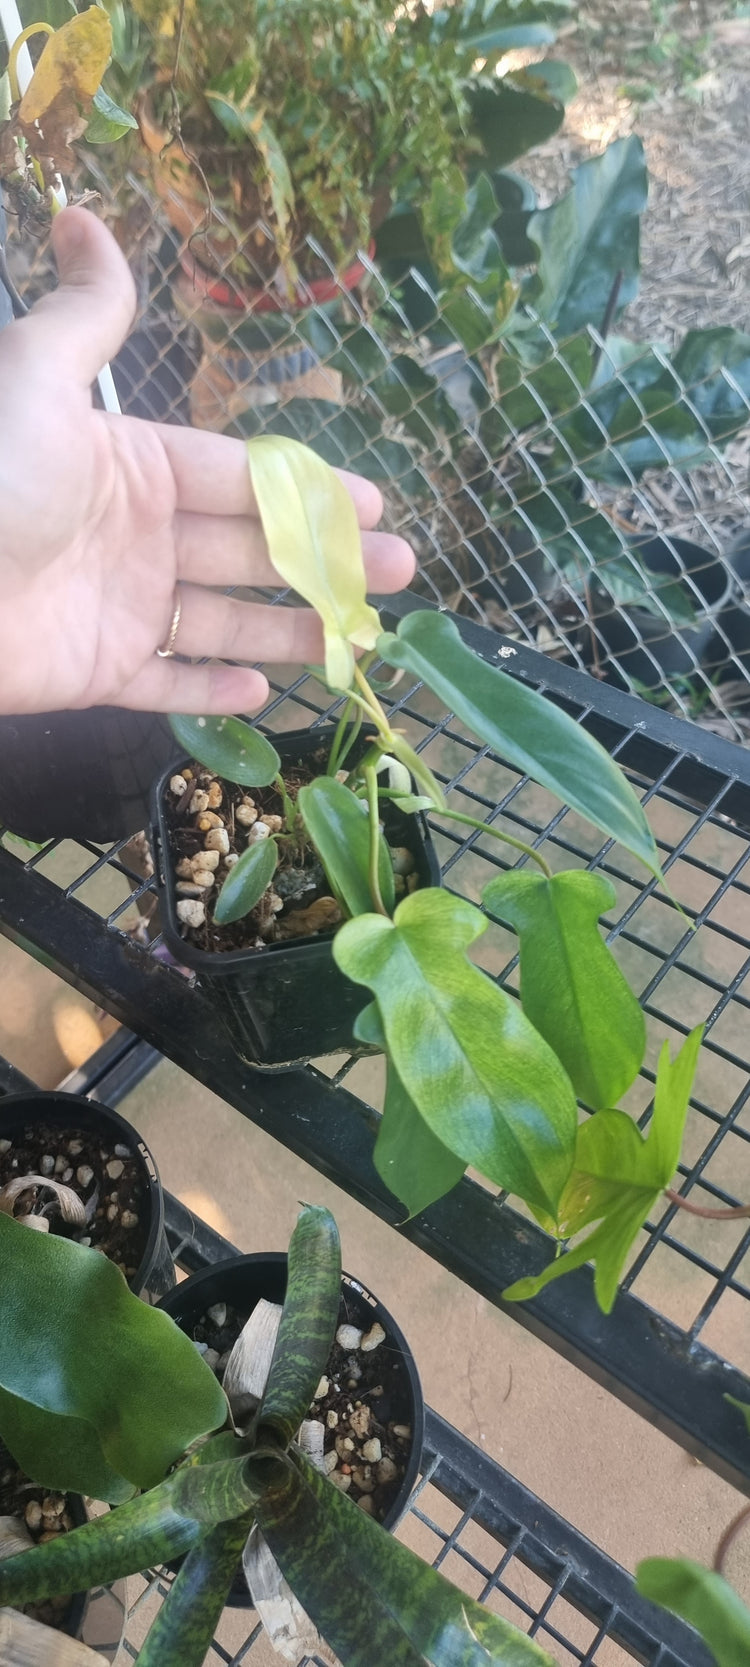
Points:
[(231, 550), (222, 628), (212, 476), (81, 324), (168, 686)]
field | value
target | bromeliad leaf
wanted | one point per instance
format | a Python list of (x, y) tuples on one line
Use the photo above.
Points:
[(479, 1075), (185, 1624), (246, 882), (617, 1179), (308, 1322), (94, 1403), (229, 747), (338, 827), (368, 1595), (572, 989), (314, 543), (409, 1158), (704, 1600), (523, 727)]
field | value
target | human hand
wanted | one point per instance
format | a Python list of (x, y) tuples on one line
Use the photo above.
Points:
[(102, 515)]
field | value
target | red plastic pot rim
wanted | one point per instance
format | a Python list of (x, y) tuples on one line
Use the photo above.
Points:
[(266, 301)]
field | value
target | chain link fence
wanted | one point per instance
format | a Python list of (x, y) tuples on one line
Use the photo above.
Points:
[(587, 496)]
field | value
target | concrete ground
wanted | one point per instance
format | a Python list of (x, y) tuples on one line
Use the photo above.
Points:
[(628, 1487)]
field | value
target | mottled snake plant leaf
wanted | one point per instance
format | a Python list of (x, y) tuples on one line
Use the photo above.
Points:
[(311, 529), (103, 1365), (480, 1076), (338, 827), (618, 1177), (572, 989), (371, 1599), (409, 1158), (525, 728), (181, 1634), (246, 882), (308, 1323), (702, 1598), (229, 747)]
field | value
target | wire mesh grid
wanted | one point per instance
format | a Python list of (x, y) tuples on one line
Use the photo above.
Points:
[(487, 1534), (588, 496), (688, 1281)]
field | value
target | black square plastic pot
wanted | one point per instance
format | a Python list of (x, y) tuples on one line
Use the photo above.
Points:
[(155, 1273), (289, 1002), (242, 1282)]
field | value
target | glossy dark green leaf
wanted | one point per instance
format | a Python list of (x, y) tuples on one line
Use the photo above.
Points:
[(523, 727), (409, 1158), (714, 366), (348, 438), (369, 1596), (107, 121), (513, 115), (530, 396), (516, 200), (572, 989), (480, 1076), (308, 1323), (414, 397), (589, 236), (229, 747), (338, 827), (617, 1179), (181, 1634), (559, 79), (98, 1357), (246, 882), (742, 1406), (703, 1599)]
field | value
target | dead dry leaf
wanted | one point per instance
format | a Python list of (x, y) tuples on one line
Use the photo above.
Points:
[(73, 60)]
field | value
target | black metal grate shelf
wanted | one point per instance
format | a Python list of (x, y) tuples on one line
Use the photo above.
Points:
[(679, 1338)]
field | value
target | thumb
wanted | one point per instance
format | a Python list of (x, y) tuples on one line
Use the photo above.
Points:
[(84, 322)]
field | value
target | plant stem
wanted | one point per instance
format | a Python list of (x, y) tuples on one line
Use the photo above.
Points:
[(371, 783), (373, 706), (497, 833), (736, 1212), (287, 805), (340, 747), (728, 1537)]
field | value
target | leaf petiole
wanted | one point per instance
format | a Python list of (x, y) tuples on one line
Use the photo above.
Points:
[(497, 833), (371, 783)]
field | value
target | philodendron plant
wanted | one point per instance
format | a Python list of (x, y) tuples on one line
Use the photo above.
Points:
[(475, 1077), (127, 1403)]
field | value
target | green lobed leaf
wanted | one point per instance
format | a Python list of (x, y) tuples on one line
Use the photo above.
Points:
[(480, 1076), (338, 827), (308, 1323), (314, 543), (246, 882), (523, 727), (702, 1598), (589, 236), (229, 747), (96, 1356), (512, 115), (181, 1634), (371, 1598), (409, 1158), (572, 989), (107, 122), (618, 1176)]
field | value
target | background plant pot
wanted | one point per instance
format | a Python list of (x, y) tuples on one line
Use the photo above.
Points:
[(242, 1282), (734, 624), (650, 650), (80, 775), (289, 1002), (155, 1273)]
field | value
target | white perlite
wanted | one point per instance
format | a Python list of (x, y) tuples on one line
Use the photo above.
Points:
[(348, 1338)]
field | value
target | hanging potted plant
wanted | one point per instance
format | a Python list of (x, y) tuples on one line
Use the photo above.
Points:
[(226, 1480)]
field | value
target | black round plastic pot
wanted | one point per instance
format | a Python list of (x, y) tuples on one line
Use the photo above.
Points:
[(286, 1003), (650, 649), (242, 1282), (80, 775), (734, 624), (155, 1274)]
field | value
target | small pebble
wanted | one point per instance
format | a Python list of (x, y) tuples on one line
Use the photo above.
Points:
[(372, 1451), (188, 888), (402, 1432), (112, 1212), (61, 1163), (46, 1164), (332, 1419), (84, 1175), (217, 839), (232, 858), (374, 1338), (129, 1219), (215, 796), (218, 1313), (192, 912), (74, 1147), (5, 1146), (341, 1480), (201, 1347), (321, 1390), (67, 1176), (361, 1475), (185, 869), (122, 1151), (211, 1358), (203, 877), (246, 815), (386, 1470), (178, 786), (259, 830), (53, 1504), (33, 1514), (348, 1337), (85, 1241), (273, 823), (115, 1168), (359, 1421), (199, 802), (330, 1461), (206, 859), (365, 1504)]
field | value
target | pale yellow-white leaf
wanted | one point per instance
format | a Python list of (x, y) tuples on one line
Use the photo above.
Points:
[(69, 1204), (27, 1643), (73, 60), (315, 545)]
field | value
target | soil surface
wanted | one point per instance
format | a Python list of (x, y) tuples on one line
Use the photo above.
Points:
[(363, 1401), (45, 1515), (106, 1176)]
